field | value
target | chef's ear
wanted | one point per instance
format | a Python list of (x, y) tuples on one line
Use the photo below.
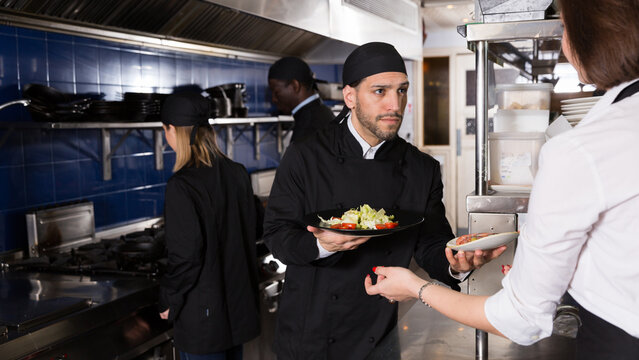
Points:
[(349, 93), (296, 86)]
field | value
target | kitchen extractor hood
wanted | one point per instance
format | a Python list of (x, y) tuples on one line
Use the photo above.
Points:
[(271, 27)]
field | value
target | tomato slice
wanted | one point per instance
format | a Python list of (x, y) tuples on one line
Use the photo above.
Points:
[(349, 226), (336, 226), (390, 225), (380, 226)]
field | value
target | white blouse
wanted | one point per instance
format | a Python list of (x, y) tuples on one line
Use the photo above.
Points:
[(582, 228)]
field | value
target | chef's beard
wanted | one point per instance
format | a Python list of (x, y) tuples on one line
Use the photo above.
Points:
[(373, 124)]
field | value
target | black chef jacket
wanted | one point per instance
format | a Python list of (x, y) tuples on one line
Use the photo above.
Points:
[(310, 118), (211, 282), (324, 310)]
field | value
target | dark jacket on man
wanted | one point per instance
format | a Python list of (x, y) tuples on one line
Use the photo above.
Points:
[(324, 310), (311, 118), (211, 282)]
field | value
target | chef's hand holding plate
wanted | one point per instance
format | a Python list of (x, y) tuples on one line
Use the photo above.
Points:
[(165, 314), (333, 241), (465, 261)]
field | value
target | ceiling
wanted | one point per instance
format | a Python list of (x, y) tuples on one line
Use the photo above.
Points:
[(438, 14), (192, 20)]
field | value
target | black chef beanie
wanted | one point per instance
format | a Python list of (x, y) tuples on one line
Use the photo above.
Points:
[(291, 68), (369, 59), (186, 109)]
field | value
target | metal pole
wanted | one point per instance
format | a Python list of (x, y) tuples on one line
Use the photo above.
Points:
[(481, 345), (481, 118)]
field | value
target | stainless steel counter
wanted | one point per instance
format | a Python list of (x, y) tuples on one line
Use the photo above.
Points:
[(45, 311)]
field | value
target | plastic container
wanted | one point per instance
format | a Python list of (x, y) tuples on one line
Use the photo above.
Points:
[(513, 157), (521, 120), (524, 96)]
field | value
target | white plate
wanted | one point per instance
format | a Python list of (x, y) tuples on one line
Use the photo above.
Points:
[(577, 106), (574, 112), (590, 99), (574, 117), (487, 243)]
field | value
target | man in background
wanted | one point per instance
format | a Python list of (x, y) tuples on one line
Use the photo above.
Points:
[(294, 92)]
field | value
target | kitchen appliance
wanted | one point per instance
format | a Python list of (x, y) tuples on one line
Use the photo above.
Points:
[(221, 105), (85, 295), (330, 91), (510, 10), (59, 227), (92, 290), (235, 93), (271, 282)]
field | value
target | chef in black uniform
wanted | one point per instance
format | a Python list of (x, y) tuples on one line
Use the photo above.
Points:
[(209, 290), (324, 311), (293, 88)]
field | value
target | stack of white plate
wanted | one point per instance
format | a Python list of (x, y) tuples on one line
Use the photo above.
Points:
[(575, 109)]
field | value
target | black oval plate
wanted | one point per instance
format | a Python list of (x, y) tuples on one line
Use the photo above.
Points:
[(406, 219)]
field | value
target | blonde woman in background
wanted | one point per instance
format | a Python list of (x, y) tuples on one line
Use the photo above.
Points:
[(210, 288)]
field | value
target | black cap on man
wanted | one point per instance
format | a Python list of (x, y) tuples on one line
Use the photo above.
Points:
[(366, 60)]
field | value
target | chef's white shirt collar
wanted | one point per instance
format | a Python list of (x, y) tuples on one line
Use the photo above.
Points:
[(367, 151), (306, 101)]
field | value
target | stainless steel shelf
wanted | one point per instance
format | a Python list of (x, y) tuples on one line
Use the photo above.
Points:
[(510, 31), (498, 203), (106, 127), (138, 125), (533, 47)]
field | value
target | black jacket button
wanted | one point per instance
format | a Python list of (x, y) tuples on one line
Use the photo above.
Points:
[(331, 340), (371, 339), (340, 160), (388, 252), (334, 297)]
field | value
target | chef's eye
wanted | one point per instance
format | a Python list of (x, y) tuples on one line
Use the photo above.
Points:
[(379, 91), (402, 90)]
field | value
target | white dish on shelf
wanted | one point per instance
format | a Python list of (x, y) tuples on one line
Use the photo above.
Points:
[(575, 112), (577, 106), (582, 100)]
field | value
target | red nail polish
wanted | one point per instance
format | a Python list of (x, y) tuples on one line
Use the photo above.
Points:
[(374, 268)]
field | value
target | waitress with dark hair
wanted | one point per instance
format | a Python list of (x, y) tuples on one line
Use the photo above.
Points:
[(580, 236), (210, 288)]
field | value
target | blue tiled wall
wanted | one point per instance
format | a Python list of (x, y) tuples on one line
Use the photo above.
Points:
[(43, 167)]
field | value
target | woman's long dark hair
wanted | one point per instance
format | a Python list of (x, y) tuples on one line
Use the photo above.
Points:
[(604, 37)]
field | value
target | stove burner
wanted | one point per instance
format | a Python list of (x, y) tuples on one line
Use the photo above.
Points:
[(141, 253)]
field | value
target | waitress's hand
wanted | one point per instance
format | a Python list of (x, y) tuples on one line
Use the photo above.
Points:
[(394, 283), (332, 241), (165, 314), (465, 261)]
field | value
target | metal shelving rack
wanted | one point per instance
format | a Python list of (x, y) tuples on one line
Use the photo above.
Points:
[(532, 47), (108, 151)]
